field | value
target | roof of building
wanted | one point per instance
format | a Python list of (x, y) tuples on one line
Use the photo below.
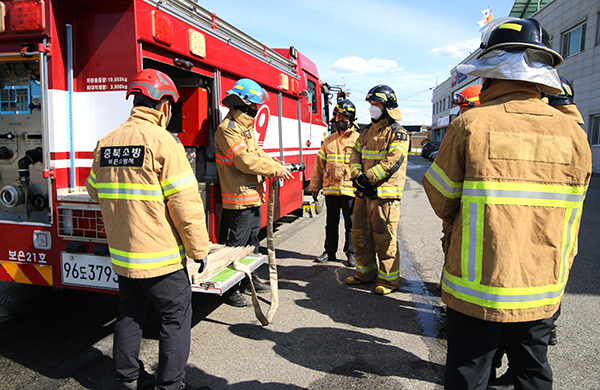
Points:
[(525, 8)]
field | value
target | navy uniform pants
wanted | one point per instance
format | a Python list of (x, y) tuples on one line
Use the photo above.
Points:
[(335, 204), (472, 344), (171, 297), (241, 227)]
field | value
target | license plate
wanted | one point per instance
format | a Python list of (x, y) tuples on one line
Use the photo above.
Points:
[(88, 271)]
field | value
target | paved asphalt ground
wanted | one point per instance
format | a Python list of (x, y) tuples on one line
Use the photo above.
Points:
[(325, 335)]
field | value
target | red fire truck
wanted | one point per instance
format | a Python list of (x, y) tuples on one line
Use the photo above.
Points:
[(64, 68)]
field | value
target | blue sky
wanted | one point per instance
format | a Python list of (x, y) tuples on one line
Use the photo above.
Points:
[(408, 45)]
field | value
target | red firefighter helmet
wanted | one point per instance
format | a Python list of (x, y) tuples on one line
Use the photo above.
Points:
[(153, 84), (468, 97)]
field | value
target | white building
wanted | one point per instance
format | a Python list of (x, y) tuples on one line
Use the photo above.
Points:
[(575, 28)]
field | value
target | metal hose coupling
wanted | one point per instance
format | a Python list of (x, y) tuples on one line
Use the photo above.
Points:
[(293, 167)]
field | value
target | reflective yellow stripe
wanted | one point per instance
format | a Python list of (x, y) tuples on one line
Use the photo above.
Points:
[(92, 179), (389, 192), (378, 172), (389, 276), (130, 191), (438, 179), (395, 145), (148, 260), (338, 190), (502, 297), (356, 167), (321, 154), (476, 196), (179, 183), (366, 270), (523, 194), (342, 158), (373, 154)]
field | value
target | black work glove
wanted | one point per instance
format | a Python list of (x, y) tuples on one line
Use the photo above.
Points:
[(362, 185), (315, 195), (203, 262)]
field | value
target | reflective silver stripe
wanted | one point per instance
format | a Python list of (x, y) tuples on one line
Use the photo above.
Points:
[(473, 240), (174, 186), (522, 194), (129, 191), (176, 255), (565, 257), (505, 298), (446, 186)]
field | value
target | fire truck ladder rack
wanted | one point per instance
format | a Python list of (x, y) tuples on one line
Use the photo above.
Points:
[(209, 23)]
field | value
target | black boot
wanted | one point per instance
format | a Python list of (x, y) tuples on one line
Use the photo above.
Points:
[(259, 286), (236, 299), (351, 260), (322, 258)]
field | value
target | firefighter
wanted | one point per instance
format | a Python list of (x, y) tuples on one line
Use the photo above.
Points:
[(378, 169), (241, 166), (565, 101), (154, 216), (468, 98), (331, 172), (510, 179)]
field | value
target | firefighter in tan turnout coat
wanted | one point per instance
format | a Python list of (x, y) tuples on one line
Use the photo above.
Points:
[(378, 167), (510, 179), (241, 166), (331, 173), (154, 216)]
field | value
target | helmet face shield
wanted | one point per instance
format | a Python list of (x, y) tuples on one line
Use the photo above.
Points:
[(460, 100)]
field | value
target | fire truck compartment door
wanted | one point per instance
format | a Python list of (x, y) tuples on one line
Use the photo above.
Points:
[(194, 120)]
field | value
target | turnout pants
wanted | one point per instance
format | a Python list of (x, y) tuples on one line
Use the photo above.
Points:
[(335, 204), (375, 222), (472, 344), (171, 297)]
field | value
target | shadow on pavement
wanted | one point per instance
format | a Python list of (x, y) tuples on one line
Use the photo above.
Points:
[(323, 349)]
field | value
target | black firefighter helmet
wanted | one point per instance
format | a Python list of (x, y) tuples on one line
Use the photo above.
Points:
[(347, 108), (567, 96), (383, 94), (520, 34)]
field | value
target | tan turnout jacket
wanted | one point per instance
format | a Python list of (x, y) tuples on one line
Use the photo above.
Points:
[(380, 153), (241, 163), (149, 198), (332, 166), (509, 183)]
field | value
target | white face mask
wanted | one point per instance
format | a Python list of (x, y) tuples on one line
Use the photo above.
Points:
[(375, 112)]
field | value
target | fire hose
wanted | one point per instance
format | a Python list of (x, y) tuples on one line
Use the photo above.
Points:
[(266, 320)]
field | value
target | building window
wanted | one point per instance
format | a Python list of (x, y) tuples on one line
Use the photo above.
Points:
[(594, 131), (573, 41)]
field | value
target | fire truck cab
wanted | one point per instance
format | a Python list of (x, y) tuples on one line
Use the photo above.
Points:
[(64, 68)]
